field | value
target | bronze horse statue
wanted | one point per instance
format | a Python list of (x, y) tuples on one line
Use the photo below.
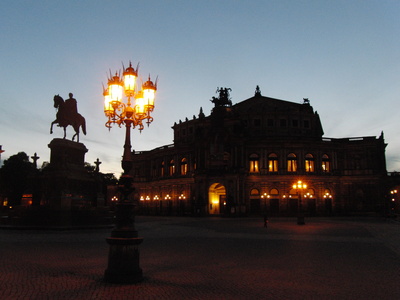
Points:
[(67, 115)]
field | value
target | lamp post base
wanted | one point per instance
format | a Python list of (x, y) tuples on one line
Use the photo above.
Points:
[(123, 261)]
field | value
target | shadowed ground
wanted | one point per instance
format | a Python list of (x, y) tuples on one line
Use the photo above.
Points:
[(211, 258)]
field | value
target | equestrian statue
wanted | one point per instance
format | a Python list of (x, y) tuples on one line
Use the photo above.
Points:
[(67, 114)]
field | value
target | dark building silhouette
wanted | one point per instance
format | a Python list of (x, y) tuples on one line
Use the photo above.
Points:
[(245, 159)]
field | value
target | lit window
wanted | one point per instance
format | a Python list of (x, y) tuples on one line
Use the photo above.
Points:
[(254, 192), (254, 161), (326, 164), (274, 192), (273, 162), (309, 163), (171, 167), (162, 169), (184, 166), (292, 163)]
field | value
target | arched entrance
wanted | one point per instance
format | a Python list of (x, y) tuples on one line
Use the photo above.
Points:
[(216, 198)]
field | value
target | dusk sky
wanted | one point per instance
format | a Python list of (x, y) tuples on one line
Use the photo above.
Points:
[(342, 55)]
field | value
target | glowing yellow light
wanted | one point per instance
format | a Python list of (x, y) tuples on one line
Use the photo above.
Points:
[(129, 80), (149, 94), (129, 83), (115, 92), (140, 104), (115, 89), (108, 109), (299, 185)]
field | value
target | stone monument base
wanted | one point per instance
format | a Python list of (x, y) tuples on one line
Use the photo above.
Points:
[(68, 193)]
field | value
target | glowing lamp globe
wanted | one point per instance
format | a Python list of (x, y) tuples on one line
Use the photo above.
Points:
[(129, 76), (149, 94), (140, 105), (115, 89), (108, 109)]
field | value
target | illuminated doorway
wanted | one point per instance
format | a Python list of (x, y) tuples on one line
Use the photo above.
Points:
[(216, 198)]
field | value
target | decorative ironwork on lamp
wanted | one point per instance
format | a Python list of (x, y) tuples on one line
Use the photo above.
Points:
[(129, 113)]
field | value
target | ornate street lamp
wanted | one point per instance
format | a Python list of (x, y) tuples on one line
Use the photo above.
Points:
[(123, 258), (299, 186)]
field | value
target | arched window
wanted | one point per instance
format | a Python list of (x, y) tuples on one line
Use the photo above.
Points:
[(326, 164), (292, 162), (273, 162), (162, 169), (184, 166), (274, 192), (254, 163), (171, 167), (309, 163), (254, 192)]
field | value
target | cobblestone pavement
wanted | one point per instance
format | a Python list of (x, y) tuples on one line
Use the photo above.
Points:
[(211, 258)]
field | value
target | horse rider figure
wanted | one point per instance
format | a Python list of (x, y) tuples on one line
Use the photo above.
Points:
[(71, 107), (68, 115)]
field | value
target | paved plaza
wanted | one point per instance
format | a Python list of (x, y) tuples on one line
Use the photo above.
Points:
[(211, 258)]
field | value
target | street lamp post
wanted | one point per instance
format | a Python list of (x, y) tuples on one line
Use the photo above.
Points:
[(265, 196), (299, 186), (124, 104)]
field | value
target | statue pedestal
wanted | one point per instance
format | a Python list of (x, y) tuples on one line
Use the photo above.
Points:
[(66, 183), (66, 154)]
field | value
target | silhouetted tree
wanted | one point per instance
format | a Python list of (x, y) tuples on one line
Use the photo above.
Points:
[(14, 177), (110, 178), (88, 167)]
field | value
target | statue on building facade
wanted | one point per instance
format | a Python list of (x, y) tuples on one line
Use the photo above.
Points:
[(223, 99), (67, 114)]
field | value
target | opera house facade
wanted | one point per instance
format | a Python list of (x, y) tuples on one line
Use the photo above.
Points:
[(260, 156)]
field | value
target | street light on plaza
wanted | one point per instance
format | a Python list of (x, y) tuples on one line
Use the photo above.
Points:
[(393, 201), (299, 186), (265, 196), (124, 104)]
